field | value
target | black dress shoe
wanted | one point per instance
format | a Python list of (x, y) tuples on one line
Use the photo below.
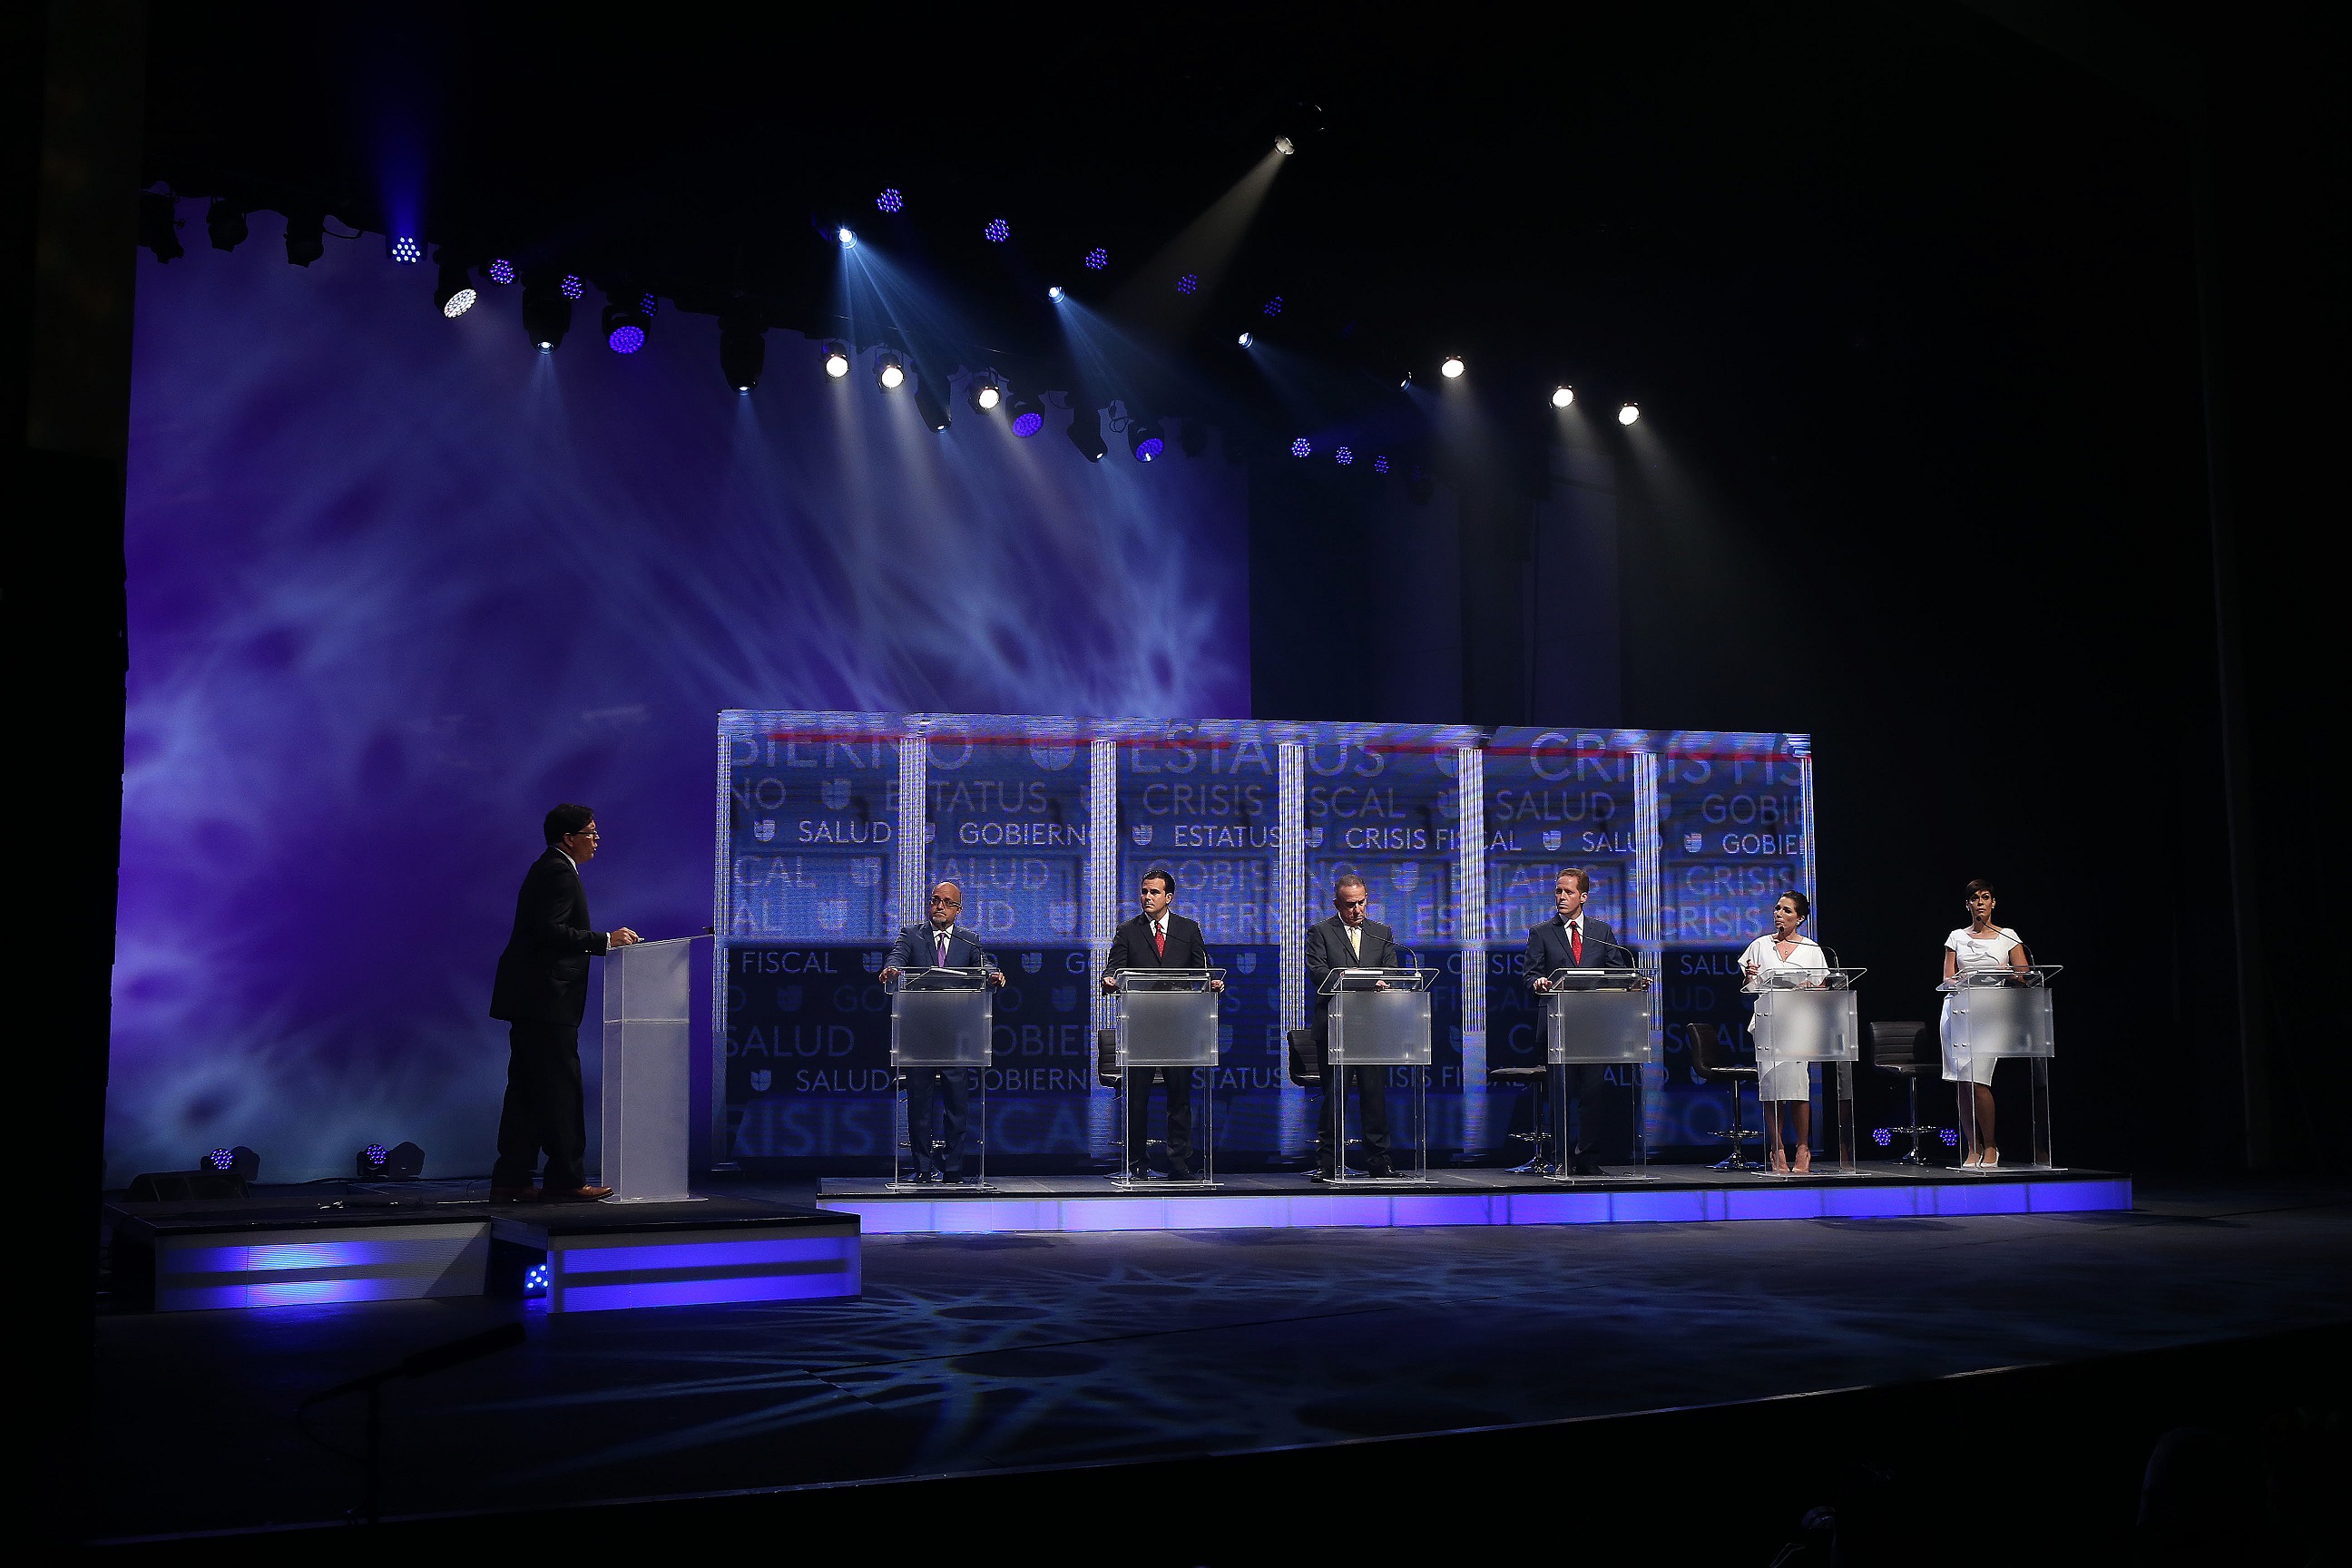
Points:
[(1381, 1172), (1181, 1173)]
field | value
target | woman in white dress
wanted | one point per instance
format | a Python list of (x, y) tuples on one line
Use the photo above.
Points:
[(1781, 1082), (1977, 947)]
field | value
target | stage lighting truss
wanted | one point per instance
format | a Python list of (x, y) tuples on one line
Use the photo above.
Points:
[(453, 291), (1024, 416), (890, 371), (1453, 367), (836, 359), (1629, 413), (225, 224), (985, 393), (1561, 396)]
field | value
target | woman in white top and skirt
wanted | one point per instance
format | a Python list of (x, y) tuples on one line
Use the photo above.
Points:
[(1976, 948), (1779, 1082)]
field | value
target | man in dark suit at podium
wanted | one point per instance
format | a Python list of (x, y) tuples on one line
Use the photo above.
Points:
[(541, 993), (1159, 937), (1573, 939), (1349, 941), (939, 944)]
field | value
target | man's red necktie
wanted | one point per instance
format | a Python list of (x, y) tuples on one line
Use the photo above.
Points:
[(1576, 945), (1158, 941)]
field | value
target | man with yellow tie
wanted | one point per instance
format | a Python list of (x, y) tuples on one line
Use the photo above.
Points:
[(1349, 941)]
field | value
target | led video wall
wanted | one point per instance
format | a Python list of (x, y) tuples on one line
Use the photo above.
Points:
[(832, 828)]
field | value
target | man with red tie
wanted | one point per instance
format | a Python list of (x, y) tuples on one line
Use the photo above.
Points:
[(1159, 937), (1573, 939)]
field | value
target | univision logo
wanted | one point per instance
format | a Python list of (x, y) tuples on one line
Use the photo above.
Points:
[(1142, 834)]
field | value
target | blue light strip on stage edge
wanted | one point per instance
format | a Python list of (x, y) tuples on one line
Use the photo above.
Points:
[(972, 1216)]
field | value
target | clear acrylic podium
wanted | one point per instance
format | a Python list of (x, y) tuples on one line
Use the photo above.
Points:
[(1597, 1018), (941, 1020), (647, 1080), (1809, 1016), (1168, 1019), (2003, 1013), (1380, 1019)]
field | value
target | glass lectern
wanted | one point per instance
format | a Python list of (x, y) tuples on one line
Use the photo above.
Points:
[(1597, 1018), (1998, 1014), (646, 1082), (1379, 1019), (941, 1023), (1167, 1022), (1809, 1016)]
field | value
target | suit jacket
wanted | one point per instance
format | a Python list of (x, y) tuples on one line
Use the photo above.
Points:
[(916, 949), (1130, 946), (1327, 950), (1548, 949), (543, 972)]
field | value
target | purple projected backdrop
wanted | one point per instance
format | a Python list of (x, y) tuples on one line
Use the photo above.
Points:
[(397, 585)]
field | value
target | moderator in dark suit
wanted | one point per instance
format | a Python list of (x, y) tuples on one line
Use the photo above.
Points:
[(1550, 946), (541, 992), (1131, 947), (1328, 949), (949, 1088)]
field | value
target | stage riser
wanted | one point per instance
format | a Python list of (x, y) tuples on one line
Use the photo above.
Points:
[(313, 1267), (612, 1273), (981, 1216)]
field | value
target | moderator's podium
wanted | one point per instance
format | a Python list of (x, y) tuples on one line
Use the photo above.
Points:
[(941, 1020), (2003, 1013), (1379, 1021), (647, 1085), (1167, 1019), (1809, 1016), (1597, 1018)]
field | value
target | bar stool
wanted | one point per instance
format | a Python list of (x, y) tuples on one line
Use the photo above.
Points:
[(1538, 1080), (1909, 1051), (1711, 1059), (1106, 1058), (1305, 1070)]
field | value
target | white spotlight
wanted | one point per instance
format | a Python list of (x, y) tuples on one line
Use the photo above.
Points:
[(1245, 340), (1285, 145), (1453, 367), (1055, 292), (989, 396), (889, 373), (1627, 414), (836, 361), (844, 235), (1561, 396)]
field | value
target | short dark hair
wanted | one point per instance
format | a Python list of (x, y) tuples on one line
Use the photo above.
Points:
[(567, 819), (1804, 905), (1351, 880), (1583, 879), (1166, 879), (1976, 885)]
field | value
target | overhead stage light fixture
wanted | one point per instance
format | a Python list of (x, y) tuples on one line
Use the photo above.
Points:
[(625, 330), (225, 224), (997, 232), (1453, 367), (240, 1162), (890, 201), (742, 354), (1054, 293), (453, 292), (836, 359), (546, 312), (1247, 339), (845, 235), (890, 371), (501, 271), (1145, 441), (406, 249), (929, 405), (159, 225), (1285, 145), (401, 1162), (984, 394), (1086, 430), (306, 238), (1561, 396), (575, 287), (1629, 413), (1027, 419)]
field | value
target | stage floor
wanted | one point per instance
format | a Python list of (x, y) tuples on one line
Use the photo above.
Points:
[(1467, 1196), (973, 1354)]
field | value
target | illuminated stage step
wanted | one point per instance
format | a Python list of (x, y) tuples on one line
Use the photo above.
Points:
[(1678, 1195), (291, 1248)]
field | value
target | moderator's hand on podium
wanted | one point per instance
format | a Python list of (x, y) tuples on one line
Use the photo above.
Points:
[(886, 976), (1110, 983), (625, 937), (1217, 985), (994, 978), (1542, 983)]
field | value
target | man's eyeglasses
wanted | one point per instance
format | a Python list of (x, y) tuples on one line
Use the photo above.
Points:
[(586, 833), (938, 902)]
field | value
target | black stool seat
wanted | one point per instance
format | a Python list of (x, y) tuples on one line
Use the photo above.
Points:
[(1538, 1080), (1713, 1061), (1909, 1050)]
